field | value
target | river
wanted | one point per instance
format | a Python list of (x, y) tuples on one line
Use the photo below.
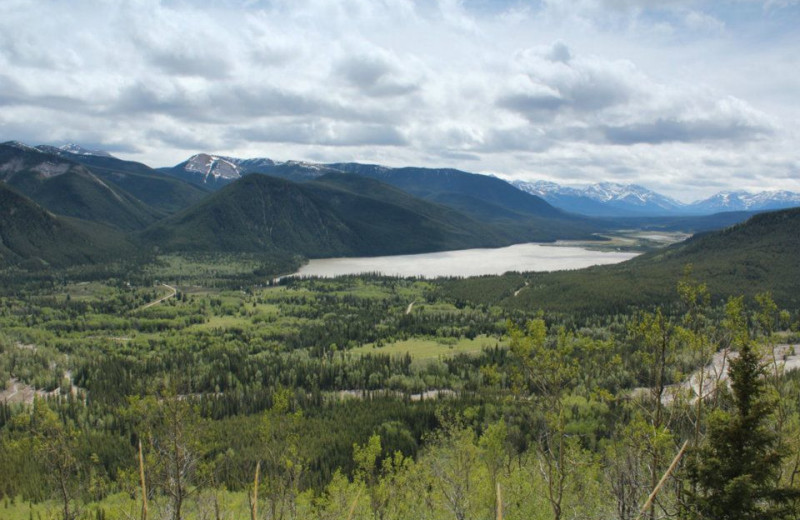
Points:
[(468, 262)]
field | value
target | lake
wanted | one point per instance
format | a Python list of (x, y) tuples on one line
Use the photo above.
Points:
[(468, 262)]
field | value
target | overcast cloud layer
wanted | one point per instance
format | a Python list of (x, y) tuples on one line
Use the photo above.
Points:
[(687, 98)]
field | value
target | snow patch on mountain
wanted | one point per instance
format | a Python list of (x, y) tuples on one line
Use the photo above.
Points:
[(632, 194), (21, 146), (77, 149), (214, 166), (48, 169), (632, 197), (606, 193), (746, 201)]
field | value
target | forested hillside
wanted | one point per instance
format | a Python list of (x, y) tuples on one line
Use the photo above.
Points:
[(328, 217), (755, 256), (69, 189), (33, 238)]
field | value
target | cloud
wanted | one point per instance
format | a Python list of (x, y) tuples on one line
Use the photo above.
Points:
[(620, 90), (374, 75), (325, 133), (12, 93), (664, 131), (551, 80), (517, 139), (533, 105)]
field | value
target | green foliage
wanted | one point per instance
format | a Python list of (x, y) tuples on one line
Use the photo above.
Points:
[(31, 237), (328, 217), (756, 256), (571, 415), (163, 193), (737, 468), (69, 189)]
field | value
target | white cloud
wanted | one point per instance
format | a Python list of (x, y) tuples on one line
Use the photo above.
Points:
[(665, 94)]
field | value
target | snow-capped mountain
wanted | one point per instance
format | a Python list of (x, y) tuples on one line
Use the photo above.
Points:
[(213, 166), (20, 146), (546, 189), (71, 150), (80, 150), (603, 199), (631, 195), (610, 199), (745, 201), (215, 171)]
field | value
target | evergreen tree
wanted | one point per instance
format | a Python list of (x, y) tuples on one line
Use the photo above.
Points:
[(736, 469)]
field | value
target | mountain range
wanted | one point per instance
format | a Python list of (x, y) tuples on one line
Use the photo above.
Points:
[(604, 199), (515, 215), (300, 209), (213, 203), (624, 200)]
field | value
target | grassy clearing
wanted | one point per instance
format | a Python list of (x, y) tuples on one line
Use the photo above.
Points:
[(222, 323), (428, 349), (121, 506), (189, 266), (442, 308), (87, 291)]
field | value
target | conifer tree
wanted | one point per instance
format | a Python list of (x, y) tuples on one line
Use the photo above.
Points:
[(736, 470)]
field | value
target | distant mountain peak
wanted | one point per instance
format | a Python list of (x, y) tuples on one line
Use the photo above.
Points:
[(77, 149), (215, 166), (613, 199), (630, 193), (745, 201), (306, 165), (604, 198), (21, 146)]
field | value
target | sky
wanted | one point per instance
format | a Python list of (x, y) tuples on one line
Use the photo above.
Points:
[(687, 98)]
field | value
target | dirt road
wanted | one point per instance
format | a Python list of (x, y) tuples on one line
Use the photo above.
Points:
[(167, 297)]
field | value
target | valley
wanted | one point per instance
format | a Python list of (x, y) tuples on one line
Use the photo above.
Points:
[(399, 260), (424, 347), (311, 374)]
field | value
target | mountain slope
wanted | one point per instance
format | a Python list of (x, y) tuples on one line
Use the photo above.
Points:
[(369, 207), (329, 217), (746, 259), (758, 255), (32, 237), (164, 193), (449, 185), (516, 216), (256, 213), (67, 188), (520, 216)]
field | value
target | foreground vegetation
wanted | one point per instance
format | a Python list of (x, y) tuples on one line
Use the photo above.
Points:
[(370, 397)]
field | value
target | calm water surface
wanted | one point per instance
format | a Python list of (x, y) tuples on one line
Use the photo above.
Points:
[(468, 262)]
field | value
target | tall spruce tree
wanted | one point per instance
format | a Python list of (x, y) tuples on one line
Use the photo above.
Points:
[(736, 469)]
